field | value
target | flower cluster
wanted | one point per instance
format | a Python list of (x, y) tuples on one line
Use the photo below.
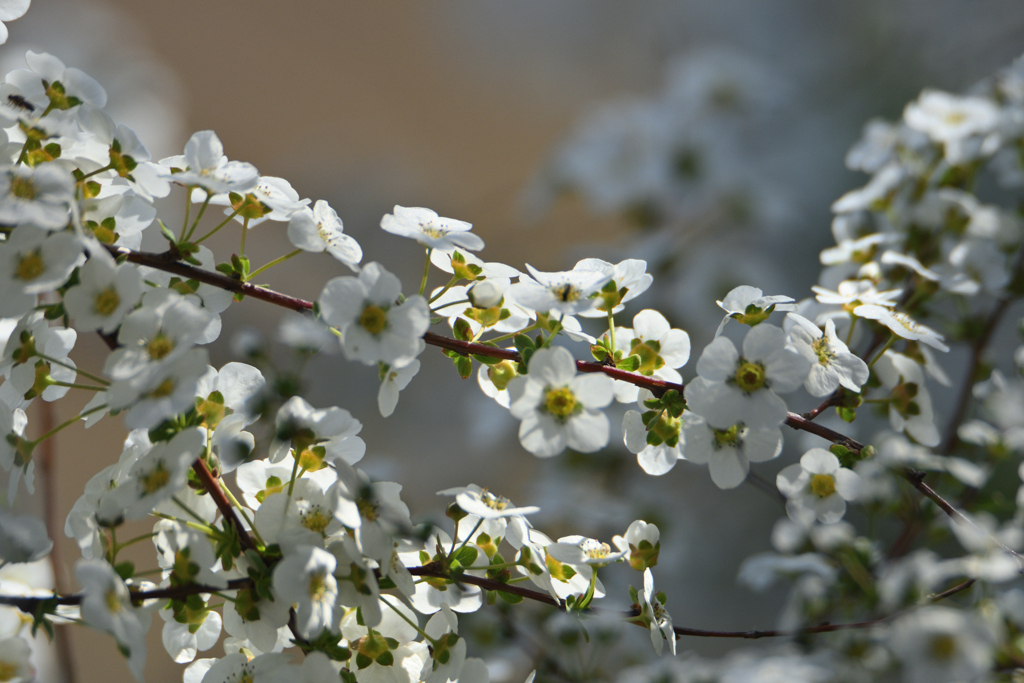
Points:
[(268, 536)]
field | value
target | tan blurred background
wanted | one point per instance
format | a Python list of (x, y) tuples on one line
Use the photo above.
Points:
[(455, 106)]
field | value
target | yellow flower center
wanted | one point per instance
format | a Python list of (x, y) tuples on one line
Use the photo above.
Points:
[(164, 389), (943, 646), (821, 350), (23, 188), (823, 485), (159, 346), (595, 550), (728, 438), (114, 603), (30, 266), (106, 302), (560, 402), (492, 501), (367, 509), (317, 586), (374, 319), (750, 376), (434, 233), (155, 480), (315, 520)]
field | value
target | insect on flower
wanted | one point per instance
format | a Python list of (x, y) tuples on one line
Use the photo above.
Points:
[(19, 102)]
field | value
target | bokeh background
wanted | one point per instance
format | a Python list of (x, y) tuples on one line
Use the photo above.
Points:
[(461, 106)]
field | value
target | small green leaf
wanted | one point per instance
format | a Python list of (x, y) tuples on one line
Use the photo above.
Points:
[(629, 364)]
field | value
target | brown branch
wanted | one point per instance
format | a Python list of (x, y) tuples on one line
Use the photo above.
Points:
[(804, 424), (29, 604), (951, 439), (212, 487), (916, 479), (833, 399), (167, 262)]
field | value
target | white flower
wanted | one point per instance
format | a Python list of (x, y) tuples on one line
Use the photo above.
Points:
[(661, 349), (652, 610), (154, 477), (392, 383), (105, 293), (484, 504), (304, 578), (374, 510), (107, 606), (750, 306), (374, 327), (9, 11), (39, 196), (33, 262), (174, 541), (658, 446), (326, 435), (910, 409), (301, 515), (22, 538), (902, 325), (644, 543), (208, 168), (427, 599), (817, 487), (559, 409), (118, 216), (28, 374), (162, 391), (63, 87), (271, 199), (163, 329), (568, 292), (431, 230), (494, 379), (356, 581), (951, 119), (832, 364), (319, 230), (885, 182), (15, 652), (629, 279), (736, 388), (852, 293), (235, 668), (182, 643), (728, 452), (938, 643), (577, 550), (82, 523)]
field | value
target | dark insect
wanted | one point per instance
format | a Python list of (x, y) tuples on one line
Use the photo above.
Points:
[(566, 293), (19, 102)]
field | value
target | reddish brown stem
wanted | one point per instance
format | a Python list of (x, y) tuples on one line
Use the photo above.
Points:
[(212, 487)]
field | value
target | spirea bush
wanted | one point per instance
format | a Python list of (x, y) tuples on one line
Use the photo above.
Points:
[(281, 560)]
